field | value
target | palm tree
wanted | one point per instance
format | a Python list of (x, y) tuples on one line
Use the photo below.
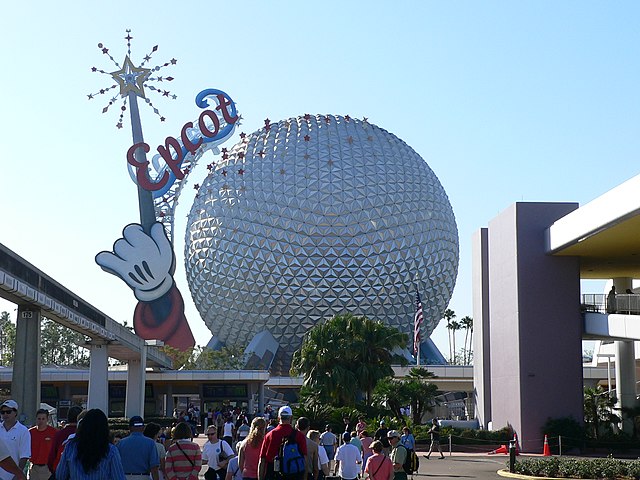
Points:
[(449, 315), (598, 410), (346, 356), (467, 324)]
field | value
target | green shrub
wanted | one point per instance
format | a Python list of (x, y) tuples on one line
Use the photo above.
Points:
[(563, 467)]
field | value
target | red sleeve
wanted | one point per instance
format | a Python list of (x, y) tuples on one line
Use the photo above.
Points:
[(302, 442), (265, 446), (173, 330)]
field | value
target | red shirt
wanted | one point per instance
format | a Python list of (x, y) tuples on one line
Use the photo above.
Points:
[(273, 441), (56, 449), (41, 442)]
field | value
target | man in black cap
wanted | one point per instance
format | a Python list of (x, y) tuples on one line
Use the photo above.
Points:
[(138, 453)]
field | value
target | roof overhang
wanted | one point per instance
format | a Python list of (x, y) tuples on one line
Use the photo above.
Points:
[(604, 233)]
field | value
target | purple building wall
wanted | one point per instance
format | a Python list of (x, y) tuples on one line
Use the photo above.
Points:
[(534, 323)]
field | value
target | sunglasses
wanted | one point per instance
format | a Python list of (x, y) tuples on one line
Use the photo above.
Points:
[(5, 412), (211, 434)]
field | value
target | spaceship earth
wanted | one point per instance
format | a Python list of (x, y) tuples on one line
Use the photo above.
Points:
[(315, 216)]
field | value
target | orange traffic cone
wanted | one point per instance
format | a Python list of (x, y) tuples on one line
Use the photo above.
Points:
[(501, 449), (546, 451)]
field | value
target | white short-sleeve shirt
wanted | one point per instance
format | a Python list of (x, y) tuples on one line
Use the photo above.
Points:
[(18, 441)]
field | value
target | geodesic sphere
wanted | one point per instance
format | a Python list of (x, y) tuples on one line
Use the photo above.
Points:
[(316, 216)]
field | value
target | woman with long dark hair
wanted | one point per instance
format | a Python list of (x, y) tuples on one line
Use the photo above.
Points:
[(90, 455)]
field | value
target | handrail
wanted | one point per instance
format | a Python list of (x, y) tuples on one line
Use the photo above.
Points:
[(622, 303)]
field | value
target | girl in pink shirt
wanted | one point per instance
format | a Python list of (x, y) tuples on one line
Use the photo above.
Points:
[(249, 449)]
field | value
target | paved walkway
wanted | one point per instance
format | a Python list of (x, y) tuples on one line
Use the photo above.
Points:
[(456, 465)]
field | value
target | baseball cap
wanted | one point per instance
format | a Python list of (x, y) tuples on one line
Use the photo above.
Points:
[(392, 434), (285, 411), (136, 421), (10, 404)]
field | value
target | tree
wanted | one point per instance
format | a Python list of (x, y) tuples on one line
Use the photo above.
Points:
[(449, 315), (203, 358), (598, 411), (7, 339), (467, 324), (346, 356), (415, 390), (60, 345)]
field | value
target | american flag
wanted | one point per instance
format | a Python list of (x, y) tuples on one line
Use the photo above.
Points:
[(417, 323)]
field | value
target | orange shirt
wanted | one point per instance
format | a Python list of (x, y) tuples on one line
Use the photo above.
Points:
[(41, 442)]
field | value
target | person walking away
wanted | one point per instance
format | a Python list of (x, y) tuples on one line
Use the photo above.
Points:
[(90, 454), (139, 453), (381, 435), (42, 435), (183, 460), (216, 455), (323, 460), (328, 440), (366, 441), (229, 430), (434, 431), (249, 449), (233, 470), (378, 465), (348, 459), (272, 443), (59, 441), (15, 436), (242, 431), (355, 440), (152, 431), (397, 456), (311, 458)]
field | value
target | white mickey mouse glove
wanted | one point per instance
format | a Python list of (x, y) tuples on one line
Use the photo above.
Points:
[(144, 262)]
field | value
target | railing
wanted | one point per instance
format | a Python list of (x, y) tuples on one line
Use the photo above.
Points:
[(620, 303)]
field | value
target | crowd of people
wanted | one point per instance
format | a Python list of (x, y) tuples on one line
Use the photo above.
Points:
[(264, 449)]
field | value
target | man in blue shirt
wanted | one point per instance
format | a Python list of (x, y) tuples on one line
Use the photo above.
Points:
[(138, 453)]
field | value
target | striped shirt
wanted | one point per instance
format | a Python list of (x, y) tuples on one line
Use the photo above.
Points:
[(185, 463), (70, 468)]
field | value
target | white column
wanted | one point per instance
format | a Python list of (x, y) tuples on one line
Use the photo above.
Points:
[(98, 376), (626, 380), (136, 379)]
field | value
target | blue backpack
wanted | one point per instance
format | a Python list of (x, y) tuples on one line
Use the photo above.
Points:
[(292, 464)]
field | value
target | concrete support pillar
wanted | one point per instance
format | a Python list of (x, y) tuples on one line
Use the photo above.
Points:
[(261, 397), (626, 380), (169, 402), (136, 379), (481, 336), (25, 383), (98, 377)]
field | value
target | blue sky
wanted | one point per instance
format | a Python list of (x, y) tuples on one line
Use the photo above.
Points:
[(506, 101)]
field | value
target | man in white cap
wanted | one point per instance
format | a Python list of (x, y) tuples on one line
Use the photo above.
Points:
[(15, 436), (273, 441)]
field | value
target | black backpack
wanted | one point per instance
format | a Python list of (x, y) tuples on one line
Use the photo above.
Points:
[(410, 464), (292, 463)]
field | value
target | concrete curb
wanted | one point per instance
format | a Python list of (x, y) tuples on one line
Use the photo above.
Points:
[(508, 474)]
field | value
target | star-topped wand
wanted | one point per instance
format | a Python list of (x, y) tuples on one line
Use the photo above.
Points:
[(131, 81)]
